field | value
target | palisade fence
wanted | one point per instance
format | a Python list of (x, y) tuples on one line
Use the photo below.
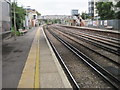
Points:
[(103, 24)]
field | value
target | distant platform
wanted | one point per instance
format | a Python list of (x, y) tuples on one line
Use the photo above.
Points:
[(103, 30)]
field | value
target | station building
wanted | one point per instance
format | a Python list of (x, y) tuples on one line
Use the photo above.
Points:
[(5, 19), (31, 18)]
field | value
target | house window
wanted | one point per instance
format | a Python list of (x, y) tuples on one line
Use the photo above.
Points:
[(34, 16)]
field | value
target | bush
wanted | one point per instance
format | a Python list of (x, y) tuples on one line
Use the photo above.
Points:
[(13, 32)]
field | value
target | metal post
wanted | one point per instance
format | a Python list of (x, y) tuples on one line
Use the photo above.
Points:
[(14, 21)]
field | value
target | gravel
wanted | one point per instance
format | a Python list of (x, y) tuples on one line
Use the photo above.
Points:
[(97, 58), (84, 75)]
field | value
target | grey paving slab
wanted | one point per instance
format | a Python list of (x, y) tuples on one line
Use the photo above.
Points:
[(47, 58), (51, 74), (48, 67), (51, 80), (44, 52)]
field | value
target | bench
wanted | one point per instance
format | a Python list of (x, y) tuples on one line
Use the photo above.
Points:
[(109, 27), (22, 32)]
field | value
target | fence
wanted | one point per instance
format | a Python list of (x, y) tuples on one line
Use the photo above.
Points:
[(103, 23)]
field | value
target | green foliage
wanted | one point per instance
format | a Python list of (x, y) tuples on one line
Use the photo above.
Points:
[(85, 16), (13, 32), (105, 11), (118, 4), (56, 21), (39, 14), (118, 13), (20, 15)]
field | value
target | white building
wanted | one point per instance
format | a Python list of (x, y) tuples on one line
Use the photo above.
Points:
[(92, 7), (31, 19), (74, 12)]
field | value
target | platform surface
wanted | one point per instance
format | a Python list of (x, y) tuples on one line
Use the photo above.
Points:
[(96, 29), (42, 69)]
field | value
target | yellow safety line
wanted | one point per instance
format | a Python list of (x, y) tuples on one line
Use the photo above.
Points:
[(37, 77), (30, 73)]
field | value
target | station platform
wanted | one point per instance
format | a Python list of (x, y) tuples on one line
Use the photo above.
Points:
[(42, 69), (94, 29)]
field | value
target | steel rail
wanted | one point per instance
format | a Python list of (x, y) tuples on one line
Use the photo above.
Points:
[(101, 38), (116, 46), (112, 38), (116, 63), (117, 52), (94, 36), (100, 70)]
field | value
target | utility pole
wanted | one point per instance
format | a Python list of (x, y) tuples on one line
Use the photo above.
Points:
[(14, 21)]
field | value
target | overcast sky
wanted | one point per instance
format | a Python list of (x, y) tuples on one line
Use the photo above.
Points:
[(56, 7)]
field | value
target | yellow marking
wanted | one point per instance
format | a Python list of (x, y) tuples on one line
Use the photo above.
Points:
[(30, 74), (37, 77)]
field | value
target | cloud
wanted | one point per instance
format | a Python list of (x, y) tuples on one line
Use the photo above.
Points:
[(59, 7)]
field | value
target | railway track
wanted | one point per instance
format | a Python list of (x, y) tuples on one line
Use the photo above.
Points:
[(111, 60), (95, 41), (101, 38), (116, 63), (100, 70), (106, 41), (102, 54), (70, 77), (108, 35)]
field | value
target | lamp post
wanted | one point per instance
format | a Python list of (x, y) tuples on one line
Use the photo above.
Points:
[(14, 21)]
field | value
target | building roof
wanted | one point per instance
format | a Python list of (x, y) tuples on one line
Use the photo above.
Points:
[(31, 10)]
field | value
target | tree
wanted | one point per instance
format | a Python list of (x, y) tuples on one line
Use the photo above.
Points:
[(118, 4), (118, 13), (39, 14), (85, 15), (104, 10), (20, 15)]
